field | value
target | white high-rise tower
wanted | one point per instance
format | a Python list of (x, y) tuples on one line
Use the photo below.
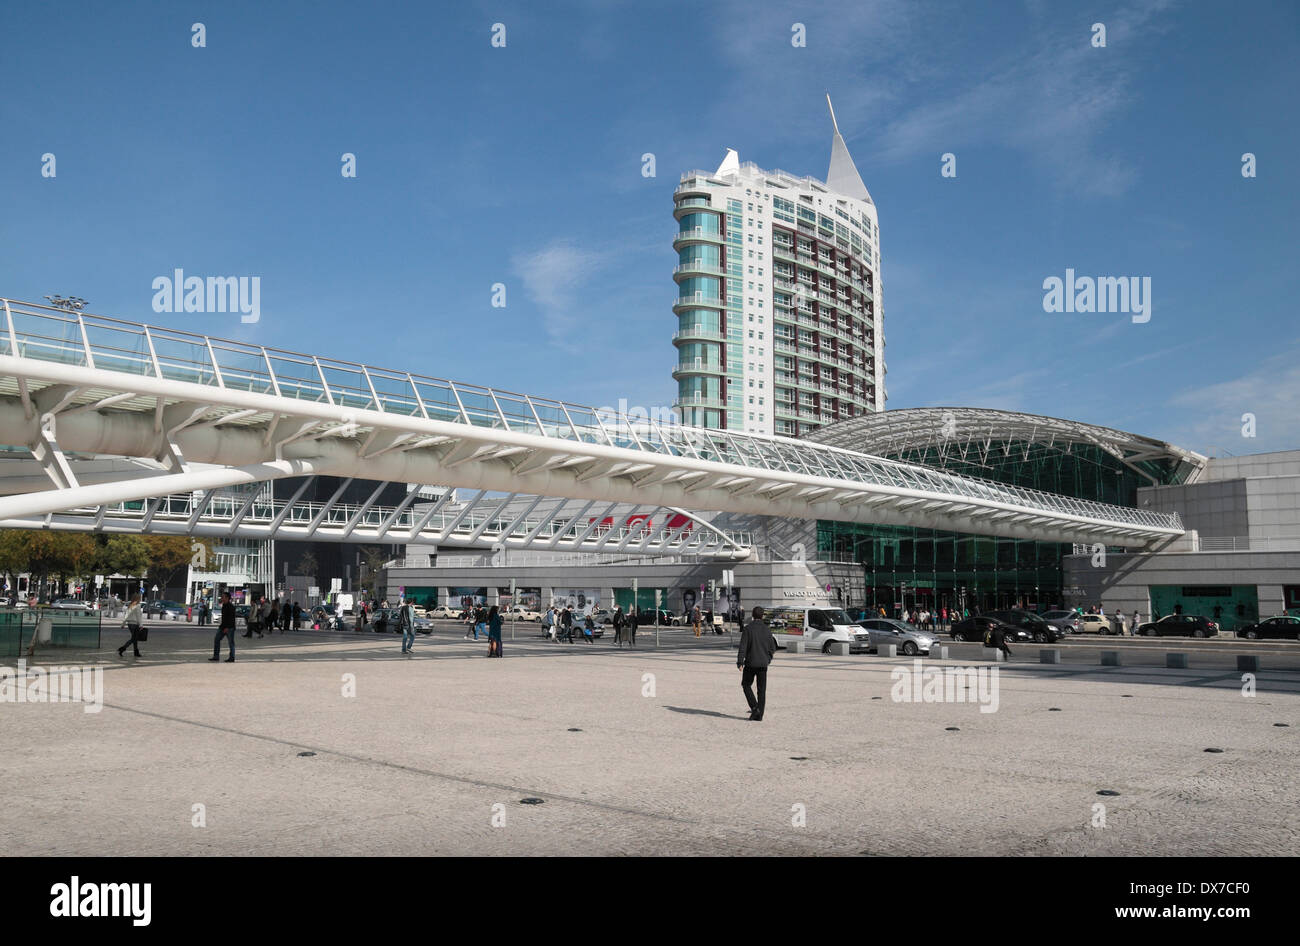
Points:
[(778, 305)]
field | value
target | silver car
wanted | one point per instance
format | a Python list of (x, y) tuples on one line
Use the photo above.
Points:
[(907, 637)]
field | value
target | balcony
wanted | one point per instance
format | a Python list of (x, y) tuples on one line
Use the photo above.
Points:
[(699, 400), (692, 203), (694, 366), (695, 299), (692, 332), (698, 268), (697, 235)]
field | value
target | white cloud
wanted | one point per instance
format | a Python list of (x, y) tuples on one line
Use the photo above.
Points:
[(1051, 97), (1270, 392), (552, 277)]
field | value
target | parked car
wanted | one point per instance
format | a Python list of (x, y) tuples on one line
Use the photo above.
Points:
[(72, 604), (1094, 623), (518, 612), (1179, 625), (974, 629), (442, 612), (164, 609), (1038, 629), (1067, 621), (909, 639), (1279, 626)]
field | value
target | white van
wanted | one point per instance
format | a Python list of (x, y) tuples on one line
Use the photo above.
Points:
[(819, 625)]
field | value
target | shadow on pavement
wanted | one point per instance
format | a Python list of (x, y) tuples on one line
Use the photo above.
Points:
[(699, 712)]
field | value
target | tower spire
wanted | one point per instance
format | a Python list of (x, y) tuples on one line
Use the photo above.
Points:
[(834, 124), (843, 176)]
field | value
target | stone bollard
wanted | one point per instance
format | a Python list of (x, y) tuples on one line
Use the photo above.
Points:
[(1049, 655), (994, 654), (795, 646), (840, 648), (1110, 658), (938, 652), (886, 650), (1176, 661), (1248, 662)]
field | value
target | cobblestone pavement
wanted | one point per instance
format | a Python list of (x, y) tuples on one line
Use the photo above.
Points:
[(415, 762)]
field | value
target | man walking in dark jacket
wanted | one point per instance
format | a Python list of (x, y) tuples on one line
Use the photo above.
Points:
[(757, 645), (226, 627)]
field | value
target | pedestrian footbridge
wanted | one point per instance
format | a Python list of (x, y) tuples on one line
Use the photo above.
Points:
[(208, 413)]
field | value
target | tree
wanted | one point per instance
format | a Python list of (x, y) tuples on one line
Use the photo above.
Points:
[(167, 553), (307, 564), (15, 555), (124, 555), (372, 566), (66, 555)]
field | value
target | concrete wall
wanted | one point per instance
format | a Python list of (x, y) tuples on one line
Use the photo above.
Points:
[(1281, 463), (1274, 505), (1213, 509), (1124, 580)]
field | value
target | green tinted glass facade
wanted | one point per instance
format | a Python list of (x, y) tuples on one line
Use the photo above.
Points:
[(926, 567), (931, 568)]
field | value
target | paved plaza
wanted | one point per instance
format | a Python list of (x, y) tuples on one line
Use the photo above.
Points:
[(644, 752)]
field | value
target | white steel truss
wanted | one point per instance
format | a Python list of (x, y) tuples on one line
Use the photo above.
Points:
[(184, 400), (483, 522)]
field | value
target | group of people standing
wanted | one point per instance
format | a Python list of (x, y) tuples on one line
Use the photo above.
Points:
[(488, 622), (923, 618), (270, 615), (560, 624)]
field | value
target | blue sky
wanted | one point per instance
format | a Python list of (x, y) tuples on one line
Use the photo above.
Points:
[(522, 165)]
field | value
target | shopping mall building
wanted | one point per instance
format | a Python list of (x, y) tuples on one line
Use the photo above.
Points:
[(1239, 559)]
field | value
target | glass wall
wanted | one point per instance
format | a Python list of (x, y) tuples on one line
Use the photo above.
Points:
[(931, 568), (708, 222)]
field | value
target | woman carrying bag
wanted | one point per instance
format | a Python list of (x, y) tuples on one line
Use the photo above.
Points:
[(135, 621), (494, 632)]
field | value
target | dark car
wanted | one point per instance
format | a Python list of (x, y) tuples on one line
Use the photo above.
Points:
[(1280, 626), (974, 629), (665, 618), (164, 609), (1179, 625), (1036, 628), (1067, 621)]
